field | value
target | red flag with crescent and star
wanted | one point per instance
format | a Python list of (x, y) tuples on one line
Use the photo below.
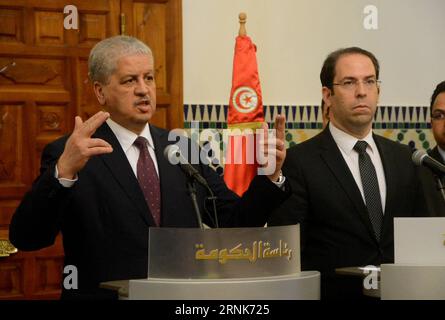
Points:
[(245, 112)]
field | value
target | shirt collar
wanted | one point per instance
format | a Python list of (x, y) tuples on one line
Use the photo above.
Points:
[(126, 137), (346, 142)]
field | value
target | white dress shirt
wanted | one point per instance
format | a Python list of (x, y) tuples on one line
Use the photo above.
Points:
[(346, 143), (127, 138)]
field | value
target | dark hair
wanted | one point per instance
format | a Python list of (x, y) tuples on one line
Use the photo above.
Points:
[(439, 89), (327, 73)]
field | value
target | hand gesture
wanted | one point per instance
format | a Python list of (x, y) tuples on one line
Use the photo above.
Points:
[(274, 146), (80, 147)]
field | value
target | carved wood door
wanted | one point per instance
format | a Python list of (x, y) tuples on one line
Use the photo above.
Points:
[(44, 84)]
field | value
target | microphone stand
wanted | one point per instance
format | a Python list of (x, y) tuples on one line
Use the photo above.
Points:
[(192, 191), (440, 186), (213, 198)]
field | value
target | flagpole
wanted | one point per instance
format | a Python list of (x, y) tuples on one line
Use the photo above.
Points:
[(245, 114), (242, 21)]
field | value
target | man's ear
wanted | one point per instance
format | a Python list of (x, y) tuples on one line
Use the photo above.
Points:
[(378, 95), (99, 92), (326, 94)]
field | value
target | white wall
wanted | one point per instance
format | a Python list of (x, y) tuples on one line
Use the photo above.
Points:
[(294, 36)]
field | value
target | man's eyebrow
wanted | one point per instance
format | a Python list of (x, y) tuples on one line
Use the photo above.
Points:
[(128, 75), (354, 78), (348, 78), (135, 75)]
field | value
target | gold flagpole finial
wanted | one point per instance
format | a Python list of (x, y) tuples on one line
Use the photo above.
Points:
[(242, 21)]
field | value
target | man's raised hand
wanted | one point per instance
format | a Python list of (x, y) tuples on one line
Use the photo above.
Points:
[(80, 147), (273, 148)]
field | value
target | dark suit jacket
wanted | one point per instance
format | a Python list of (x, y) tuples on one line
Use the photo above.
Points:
[(336, 230), (434, 199), (104, 218)]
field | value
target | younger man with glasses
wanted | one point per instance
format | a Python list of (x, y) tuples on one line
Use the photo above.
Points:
[(434, 199), (347, 182)]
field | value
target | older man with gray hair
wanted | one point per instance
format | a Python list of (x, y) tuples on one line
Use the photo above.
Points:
[(104, 185)]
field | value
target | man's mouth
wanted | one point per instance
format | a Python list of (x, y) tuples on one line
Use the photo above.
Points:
[(361, 106), (143, 105), (143, 102)]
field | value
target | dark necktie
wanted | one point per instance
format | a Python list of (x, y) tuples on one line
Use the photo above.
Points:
[(370, 187), (148, 179)]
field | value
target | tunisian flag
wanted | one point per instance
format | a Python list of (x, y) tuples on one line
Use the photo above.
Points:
[(245, 114)]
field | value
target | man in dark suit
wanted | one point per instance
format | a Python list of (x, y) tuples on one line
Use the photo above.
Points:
[(108, 182), (434, 199), (348, 183)]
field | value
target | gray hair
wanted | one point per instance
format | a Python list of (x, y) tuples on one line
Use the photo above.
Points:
[(105, 54)]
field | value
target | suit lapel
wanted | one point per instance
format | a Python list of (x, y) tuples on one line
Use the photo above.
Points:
[(339, 168), (436, 155), (120, 168)]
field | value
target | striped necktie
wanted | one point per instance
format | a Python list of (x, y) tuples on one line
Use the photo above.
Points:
[(370, 187)]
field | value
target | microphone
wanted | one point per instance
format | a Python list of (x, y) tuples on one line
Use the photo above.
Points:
[(421, 158), (173, 154)]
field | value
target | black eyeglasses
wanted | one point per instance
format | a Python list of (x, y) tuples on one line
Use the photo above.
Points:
[(352, 84), (438, 115)]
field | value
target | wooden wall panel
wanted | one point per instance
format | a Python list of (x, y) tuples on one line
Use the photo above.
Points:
[(11, 26), (49, 271), (11, 279), (147, 18), (32, 71), (47, 28), (7, 208), (160, 117), (11, 137), (52, 121), (92, 28), (88, 105)]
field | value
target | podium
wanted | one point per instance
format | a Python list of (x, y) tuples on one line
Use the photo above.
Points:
[(412, 282), (419, 269), (223, 264), (301, 286)]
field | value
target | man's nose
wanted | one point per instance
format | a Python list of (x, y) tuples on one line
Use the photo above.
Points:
[(360, 90), (141, 88)]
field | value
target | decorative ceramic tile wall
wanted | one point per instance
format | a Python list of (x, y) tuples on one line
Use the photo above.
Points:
[(405, 124)]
